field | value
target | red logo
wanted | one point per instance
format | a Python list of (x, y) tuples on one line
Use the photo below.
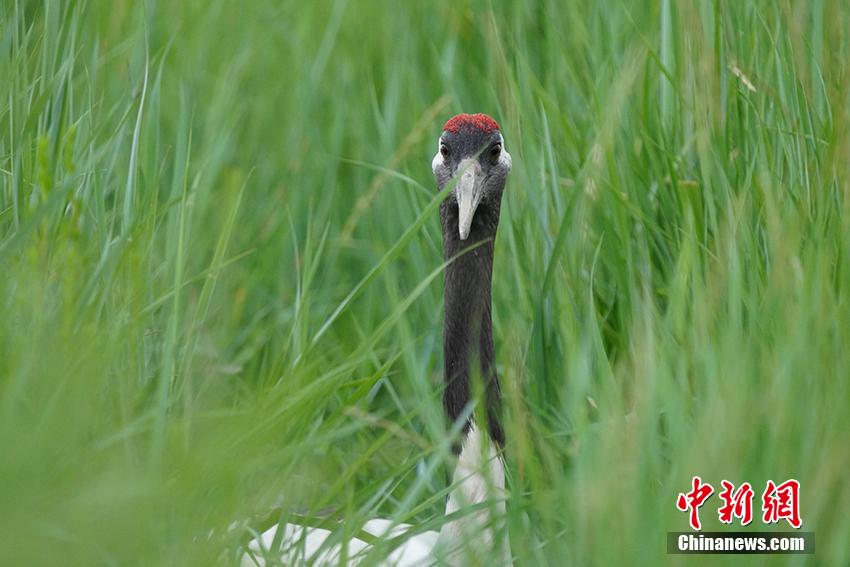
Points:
[(782, 503), (694, 499), (737, 504), (779, 502)]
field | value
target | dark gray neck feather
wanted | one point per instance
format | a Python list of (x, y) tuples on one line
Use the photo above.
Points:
[(468, 327)]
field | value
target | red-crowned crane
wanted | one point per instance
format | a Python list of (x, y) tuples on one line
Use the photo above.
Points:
[(472, 157)]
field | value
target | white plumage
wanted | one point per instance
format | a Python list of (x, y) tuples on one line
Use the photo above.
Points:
[(478, 478)]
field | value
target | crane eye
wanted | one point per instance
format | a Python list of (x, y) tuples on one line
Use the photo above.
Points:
[(444, 150), (496, 151)]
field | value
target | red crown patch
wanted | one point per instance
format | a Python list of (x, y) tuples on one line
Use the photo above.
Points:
[(478, 121)]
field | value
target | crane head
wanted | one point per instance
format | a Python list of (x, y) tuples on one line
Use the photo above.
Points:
[(471, 154)]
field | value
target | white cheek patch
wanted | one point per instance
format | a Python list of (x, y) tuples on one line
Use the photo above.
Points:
[(504, 158), (438, 159), (436, 162)]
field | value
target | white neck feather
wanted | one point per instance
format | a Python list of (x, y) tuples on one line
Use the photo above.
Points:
[(478, 478)]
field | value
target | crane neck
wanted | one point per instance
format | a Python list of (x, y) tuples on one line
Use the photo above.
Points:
[(478, 478), (468, 328)]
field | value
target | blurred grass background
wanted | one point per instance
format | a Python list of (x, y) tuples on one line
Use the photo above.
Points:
[(215, 218)]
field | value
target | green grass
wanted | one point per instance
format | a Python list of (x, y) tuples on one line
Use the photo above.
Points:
[(220, 268)]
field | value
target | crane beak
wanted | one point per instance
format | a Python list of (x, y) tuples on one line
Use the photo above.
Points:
[(468, 192)]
